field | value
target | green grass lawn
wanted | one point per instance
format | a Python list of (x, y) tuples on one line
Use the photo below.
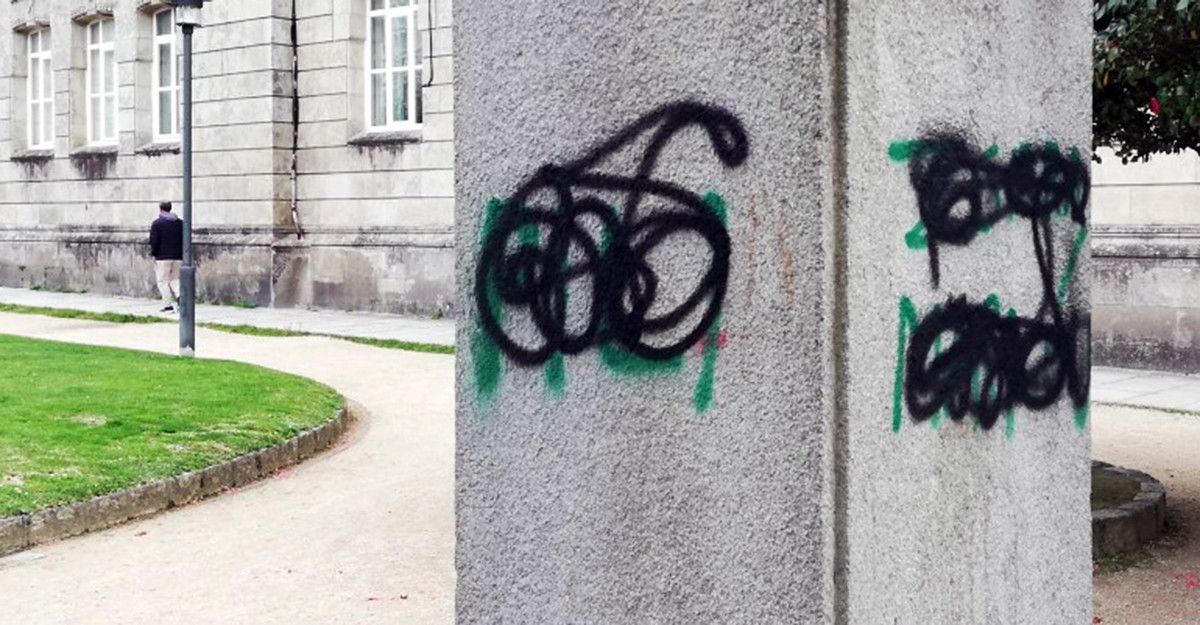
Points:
[(77, 421)]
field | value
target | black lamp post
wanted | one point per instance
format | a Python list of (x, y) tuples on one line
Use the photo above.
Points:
[(187, 15)]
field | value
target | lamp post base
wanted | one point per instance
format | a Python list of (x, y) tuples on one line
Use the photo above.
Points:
[(187, 311)]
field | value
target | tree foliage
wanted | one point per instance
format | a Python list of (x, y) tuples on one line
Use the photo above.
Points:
[(1146, 84)]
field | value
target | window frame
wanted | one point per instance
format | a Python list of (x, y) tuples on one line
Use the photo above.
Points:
[(106, 96), (35, 95), (156, 86), (414, 68)]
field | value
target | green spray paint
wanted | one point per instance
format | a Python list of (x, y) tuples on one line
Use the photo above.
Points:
[(901, 151), (703, 395), (488, 372), (485, 354), (623, 362), (908, 322), (717, 205), (1069, 274), (1081, 416), (555, 375), (917, 238)]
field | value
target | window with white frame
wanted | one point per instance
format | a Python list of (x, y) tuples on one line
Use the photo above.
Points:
[(101, 83), (40, 92), (166, 78), (393, 65)]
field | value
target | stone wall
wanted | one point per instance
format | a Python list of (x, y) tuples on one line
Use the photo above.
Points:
[(373, 223), (377, 216), (1147, 263)]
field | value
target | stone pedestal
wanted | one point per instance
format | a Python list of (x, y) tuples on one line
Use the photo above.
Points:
[(772, 312)]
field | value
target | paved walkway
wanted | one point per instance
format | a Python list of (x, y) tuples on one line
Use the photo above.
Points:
[(360, 534), (360, 324), (1150, 389)]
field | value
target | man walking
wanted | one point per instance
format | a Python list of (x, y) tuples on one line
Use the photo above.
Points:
[(166, 246)]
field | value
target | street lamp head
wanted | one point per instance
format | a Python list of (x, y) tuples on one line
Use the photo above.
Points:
[(187, 11)]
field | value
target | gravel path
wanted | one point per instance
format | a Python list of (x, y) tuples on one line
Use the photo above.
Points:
[(1166, 589), (363, 533)]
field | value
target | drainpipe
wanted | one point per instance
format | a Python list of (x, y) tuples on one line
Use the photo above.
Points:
[(295, 123), (429, 31)]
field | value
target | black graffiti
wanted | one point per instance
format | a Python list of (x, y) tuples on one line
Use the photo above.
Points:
[(961, 192), (538, 247), (969, 358)]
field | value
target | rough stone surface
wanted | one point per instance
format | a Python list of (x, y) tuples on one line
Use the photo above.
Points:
[(270, 459), (619, 502), (960, 522), (1128, 526), (306, 443), (244, 470), (187, 489), (289, 452), (51, 523), (15, 533), (216, 478), (1147, 284), (792, 498)]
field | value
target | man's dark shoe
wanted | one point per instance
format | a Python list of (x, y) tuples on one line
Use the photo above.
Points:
[(167, 309)]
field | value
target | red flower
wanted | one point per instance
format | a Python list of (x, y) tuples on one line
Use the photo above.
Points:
[(1155, 107)]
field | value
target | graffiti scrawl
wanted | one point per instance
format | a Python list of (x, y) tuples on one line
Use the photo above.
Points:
[(966, 357), (577, 232)]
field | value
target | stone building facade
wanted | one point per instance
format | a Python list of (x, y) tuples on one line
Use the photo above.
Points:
[(323, 149), (1146, 262)]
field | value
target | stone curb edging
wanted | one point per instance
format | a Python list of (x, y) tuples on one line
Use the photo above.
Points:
[(1128, 526), (48, 524)]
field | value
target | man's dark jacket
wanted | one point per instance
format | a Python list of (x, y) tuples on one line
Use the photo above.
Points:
[(166, 238)]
